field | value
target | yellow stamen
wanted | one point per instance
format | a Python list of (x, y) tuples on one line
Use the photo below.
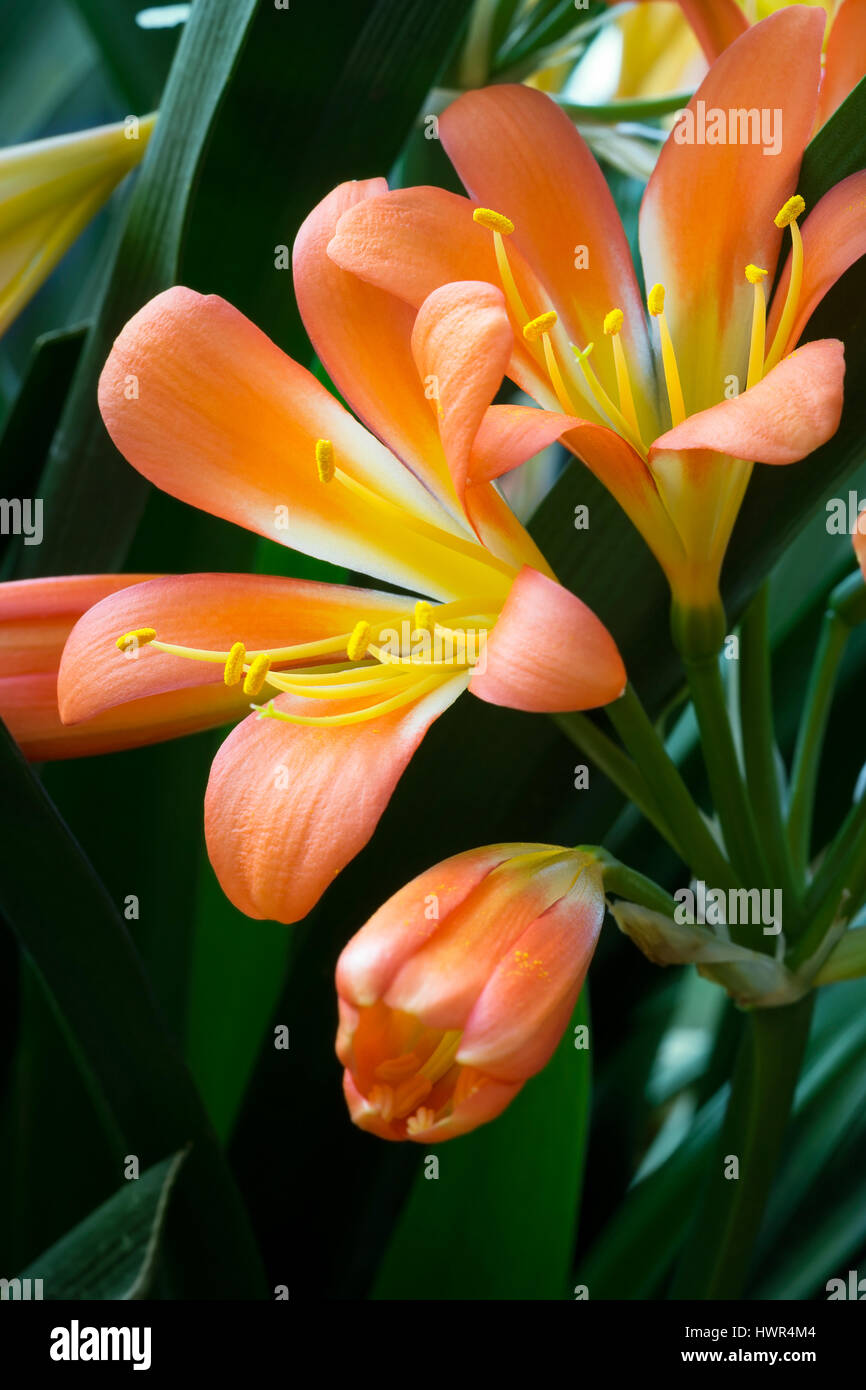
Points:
[(139, 637), (755, 276), (442, 1057), (656, 306), (408, 1095), (397, 1068), (538, 327), (423, 1119), (502, 226), (325, 465), (234, 667), (414, 692), (787, 217), (423, 616), (357, 644), (603, 400), (790, 211), (493, 221), (613, 323), (257, 674)]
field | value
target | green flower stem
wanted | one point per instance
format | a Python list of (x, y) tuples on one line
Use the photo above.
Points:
[(847, 961), (718, 1250), (624, 882), (839, 892), (617, 766), (810, 737), (841, 854), (759, 748), (639, 109), (728, 790), (698, 849)]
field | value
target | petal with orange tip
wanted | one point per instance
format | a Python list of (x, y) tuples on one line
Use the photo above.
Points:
[(690, 241), (210, 410), (37, 616), (791, 412), (834, 237), (844, 58), (548, 652), (288, 806), (201, 611)]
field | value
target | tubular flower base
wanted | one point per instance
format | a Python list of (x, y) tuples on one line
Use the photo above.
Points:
[(49, 191), (670, 413), (343, 682), (458, 989)]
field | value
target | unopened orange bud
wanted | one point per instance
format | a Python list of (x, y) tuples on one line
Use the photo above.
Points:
[(459, 988)]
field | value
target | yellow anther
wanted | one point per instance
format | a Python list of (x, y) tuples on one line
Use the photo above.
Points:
[(138, 638), (257, 674), (757, 344), (325, 460), (493, 221), (359, 641), (613, 322), (423, 616), (234, 667), (655, 300), (536, 328), (754, 274), (790, 211)]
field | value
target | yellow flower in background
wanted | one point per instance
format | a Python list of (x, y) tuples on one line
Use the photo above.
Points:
[(49, 191)]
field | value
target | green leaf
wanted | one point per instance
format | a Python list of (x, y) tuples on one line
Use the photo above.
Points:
[(33, 418), (70, 928), (499, 1221), (113, 1253), (137, 59), (93, 500)]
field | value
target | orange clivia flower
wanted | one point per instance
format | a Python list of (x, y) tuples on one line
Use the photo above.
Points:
[(344, 681), (458, 989), (672, 410)]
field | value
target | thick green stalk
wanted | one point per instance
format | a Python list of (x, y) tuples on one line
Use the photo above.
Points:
[(759, 747), (627, 883), (728, 790), (697, 846), (718, 1250), (810, 738), (617, 766)]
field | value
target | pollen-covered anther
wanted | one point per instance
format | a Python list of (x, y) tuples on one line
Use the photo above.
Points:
[(493, 221), (754, 274), (423, 1119), (139, 637), (537, 327), (613, 322), (257, 674), (234, 667), (325, 465), (790, 211), (423, 616), (655, 300), (357, 645)]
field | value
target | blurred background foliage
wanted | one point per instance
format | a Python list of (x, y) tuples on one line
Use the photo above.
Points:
[(155, 1037)]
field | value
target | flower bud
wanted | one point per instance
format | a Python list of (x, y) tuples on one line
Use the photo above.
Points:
[(459, 988)]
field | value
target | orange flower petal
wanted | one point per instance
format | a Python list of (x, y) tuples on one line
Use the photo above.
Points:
[(795, 409), (716, 24), (207, 611), (845, 57), (518, 153), (461, 343), (362, 334), (548, 652), (288, 806), (708, 209), (834, 237), (37, 616), (410, 241), (859, 539), (211, 411), (520, 1015)]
